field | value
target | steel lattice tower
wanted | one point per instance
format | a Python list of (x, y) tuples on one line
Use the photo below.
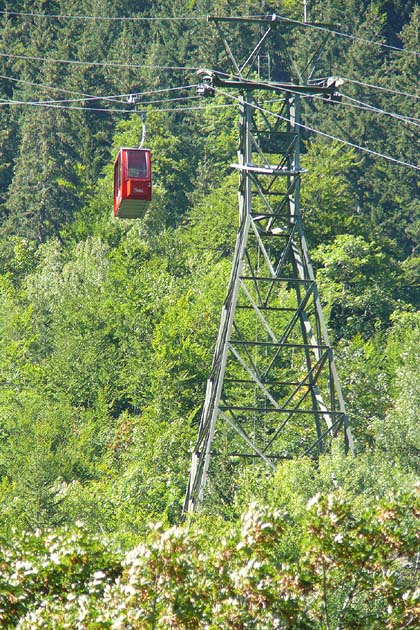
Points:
[(273, 391)]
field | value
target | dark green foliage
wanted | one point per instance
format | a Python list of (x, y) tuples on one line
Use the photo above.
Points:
[(359, 284), (44, 190), (107, 328)]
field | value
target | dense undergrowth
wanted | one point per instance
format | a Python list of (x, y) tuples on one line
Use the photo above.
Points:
[(107, 330)]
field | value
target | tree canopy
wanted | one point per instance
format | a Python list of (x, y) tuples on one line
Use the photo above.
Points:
[(108, 327)]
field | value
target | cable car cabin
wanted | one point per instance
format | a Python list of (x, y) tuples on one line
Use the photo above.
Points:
[(132, 183)]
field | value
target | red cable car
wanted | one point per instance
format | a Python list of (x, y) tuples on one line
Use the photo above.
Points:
[(132, 183)]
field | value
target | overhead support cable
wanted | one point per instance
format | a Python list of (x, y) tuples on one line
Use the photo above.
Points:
[(332, 31), (367, 107), (93, 96), (203, 18), (101, 64), (115, 98), (111, 110), (330, 136), (66, 104), (105, 18), (361, 105), (382, 88)]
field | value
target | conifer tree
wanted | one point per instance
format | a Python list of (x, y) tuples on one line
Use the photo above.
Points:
[(43, 193)]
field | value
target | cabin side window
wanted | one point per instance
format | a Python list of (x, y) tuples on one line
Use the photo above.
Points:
[(117, 175), (137, 164)]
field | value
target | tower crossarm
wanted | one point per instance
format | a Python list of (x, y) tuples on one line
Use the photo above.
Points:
[(329, 87)]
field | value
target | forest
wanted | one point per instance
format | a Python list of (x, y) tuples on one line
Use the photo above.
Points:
[(108, 326)]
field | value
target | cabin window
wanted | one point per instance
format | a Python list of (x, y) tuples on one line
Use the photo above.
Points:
[(137, 164), (117, 175)]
